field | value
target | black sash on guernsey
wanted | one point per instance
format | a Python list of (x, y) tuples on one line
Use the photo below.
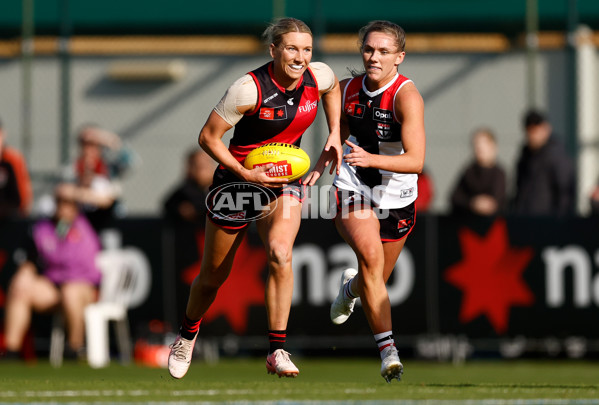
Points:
[(371, 120), (280, 115)]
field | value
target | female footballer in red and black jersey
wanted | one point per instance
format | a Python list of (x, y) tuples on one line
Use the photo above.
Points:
[(280, 115), (274, 103)]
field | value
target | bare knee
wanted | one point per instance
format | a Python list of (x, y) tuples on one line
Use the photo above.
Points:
[(20, 285), (76, 295), (371, 258), (279, 255)]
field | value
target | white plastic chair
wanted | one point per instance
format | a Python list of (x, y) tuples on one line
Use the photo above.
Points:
[(126, 280), (57, 337)]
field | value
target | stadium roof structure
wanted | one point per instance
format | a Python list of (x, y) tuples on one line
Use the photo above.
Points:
[(175, 17)]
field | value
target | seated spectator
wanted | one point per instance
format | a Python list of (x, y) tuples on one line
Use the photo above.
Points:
[(103, 152), (187, 203), (15, 184), (59, 273), (101, 163), (481, 188), (545, 176)]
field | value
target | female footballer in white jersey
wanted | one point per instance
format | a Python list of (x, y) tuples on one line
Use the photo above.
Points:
[(375, 189)]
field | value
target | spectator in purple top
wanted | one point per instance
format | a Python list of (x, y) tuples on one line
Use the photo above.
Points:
[(59, 273)]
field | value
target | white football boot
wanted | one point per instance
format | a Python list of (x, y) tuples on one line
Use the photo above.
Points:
[(179, 358), (279, 363), (343, 307), (391, 367)]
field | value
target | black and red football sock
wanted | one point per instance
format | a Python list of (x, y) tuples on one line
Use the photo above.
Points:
[(189, 328), (277, 339)]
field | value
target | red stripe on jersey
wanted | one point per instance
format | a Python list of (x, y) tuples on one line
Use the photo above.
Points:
[(304, 118), (280, 116), (239, 152), (351, 92), (389, 96)]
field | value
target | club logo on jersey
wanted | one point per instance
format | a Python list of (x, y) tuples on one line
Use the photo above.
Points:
[(405, 224), (383, 131), (308, 106), (355, 110), (381, 115), (290, 101), (275, 113), (406, 192), (369, 103)]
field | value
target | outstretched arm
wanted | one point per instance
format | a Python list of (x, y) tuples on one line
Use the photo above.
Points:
[(332, 151)]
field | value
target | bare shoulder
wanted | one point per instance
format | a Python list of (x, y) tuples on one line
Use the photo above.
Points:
[(319, 66), (408, 94), (408, 90), (408, 99)]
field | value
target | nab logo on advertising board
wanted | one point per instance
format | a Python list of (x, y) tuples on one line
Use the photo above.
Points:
[(240, 202)]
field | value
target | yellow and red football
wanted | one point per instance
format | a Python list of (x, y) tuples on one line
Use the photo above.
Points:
[(290, 161)]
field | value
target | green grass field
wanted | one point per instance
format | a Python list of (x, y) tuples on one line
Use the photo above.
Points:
[(342, 380)]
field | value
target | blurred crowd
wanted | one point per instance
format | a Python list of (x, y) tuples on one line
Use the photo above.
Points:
[(56, 270), (544, 177)]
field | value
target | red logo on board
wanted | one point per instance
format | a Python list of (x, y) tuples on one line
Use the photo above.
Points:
[(490, 276), (243, 289)]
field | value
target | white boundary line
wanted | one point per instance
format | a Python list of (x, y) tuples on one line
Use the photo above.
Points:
[(91, 394)]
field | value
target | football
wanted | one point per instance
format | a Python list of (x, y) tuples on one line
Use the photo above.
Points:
[(290, 161)]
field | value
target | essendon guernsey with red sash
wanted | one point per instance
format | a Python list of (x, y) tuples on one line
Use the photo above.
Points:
[(280, 115)]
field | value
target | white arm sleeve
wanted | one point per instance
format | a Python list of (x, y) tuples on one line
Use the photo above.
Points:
[(241, 93), (324, 76)]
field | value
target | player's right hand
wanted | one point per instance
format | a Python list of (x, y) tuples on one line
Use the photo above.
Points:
[(258, 175)]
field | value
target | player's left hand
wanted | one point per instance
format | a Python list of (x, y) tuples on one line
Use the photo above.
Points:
[(332, 153), (357, 156)]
